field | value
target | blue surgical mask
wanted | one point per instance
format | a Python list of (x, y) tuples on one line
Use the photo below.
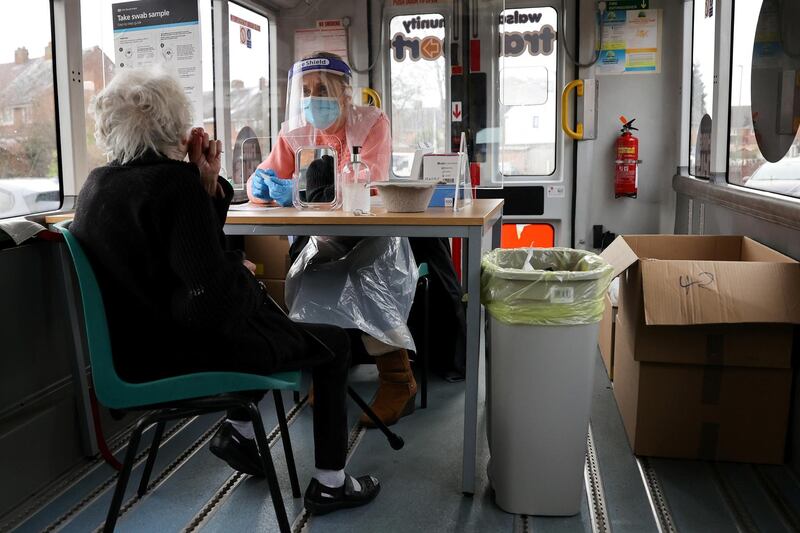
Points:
[(321, 112)]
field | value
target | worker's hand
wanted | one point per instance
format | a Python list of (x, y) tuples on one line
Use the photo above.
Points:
[(280, 190), (250, 266), (258, 183)]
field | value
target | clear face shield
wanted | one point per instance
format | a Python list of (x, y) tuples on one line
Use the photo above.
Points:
[(319, 95)]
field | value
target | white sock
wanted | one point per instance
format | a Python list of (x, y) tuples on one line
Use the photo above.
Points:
[(244, 428), (334, 479)]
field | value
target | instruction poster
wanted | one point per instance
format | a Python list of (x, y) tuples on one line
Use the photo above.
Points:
[(631, 42), (149, 32), (309, 41)]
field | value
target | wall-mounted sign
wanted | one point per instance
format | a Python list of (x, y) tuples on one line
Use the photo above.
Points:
[(456, 112), (624, 5), (329, 23), (309, 41), (150, 32), (631, 42), (246, 30)]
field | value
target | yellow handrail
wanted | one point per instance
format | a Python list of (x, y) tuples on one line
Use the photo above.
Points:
[(367, 93), (578, 134)]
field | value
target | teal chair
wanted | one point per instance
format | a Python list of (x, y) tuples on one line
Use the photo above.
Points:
[(173, 398)]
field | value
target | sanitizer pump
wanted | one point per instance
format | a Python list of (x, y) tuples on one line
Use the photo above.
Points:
[(356, 179)]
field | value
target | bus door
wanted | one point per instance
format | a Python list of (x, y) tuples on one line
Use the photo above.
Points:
[(533, 160), (492, 70)]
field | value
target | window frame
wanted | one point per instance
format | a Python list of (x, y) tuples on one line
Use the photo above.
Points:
[(56, 109), (562, 169), (690, 68), (68, 85), (721, 132), (404, 11), (727, 70), (220, 17), (555, 176)]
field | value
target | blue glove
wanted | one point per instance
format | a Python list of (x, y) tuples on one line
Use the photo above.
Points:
[(258, 183), (280, 190)]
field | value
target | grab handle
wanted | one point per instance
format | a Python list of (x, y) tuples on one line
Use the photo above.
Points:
[(578, 134), (367, 93)]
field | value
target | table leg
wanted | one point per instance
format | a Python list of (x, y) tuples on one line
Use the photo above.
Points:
[(472, 274)]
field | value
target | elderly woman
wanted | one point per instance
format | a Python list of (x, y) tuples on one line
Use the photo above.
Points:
[(176, 301)]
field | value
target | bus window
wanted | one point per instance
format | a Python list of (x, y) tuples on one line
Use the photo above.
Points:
[(419, 109), (248, 36), (99, 56), (29, 158), (765, 98), (703, 49), (528, 91)]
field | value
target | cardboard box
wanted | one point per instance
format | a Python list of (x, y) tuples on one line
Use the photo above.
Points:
[(270, 255), (605, 339), (276, 288), (703, 342)]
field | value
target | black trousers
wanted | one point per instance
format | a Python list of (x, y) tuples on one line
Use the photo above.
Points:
[(329, 371)]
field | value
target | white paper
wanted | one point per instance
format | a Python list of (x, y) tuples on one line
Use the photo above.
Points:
[(250, 206)]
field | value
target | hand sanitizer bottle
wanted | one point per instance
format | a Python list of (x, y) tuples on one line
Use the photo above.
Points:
[(356, 179)]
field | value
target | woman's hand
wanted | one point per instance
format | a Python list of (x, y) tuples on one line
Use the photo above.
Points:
[(258, 183), (265, 185), (250, 266), (207, 155), (280, 190)]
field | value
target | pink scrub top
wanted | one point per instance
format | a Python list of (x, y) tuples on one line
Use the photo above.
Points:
[(375, 152)]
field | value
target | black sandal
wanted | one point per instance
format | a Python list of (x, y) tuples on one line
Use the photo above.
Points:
[(321, 500)]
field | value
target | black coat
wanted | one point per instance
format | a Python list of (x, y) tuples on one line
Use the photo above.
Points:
[(175, 299)]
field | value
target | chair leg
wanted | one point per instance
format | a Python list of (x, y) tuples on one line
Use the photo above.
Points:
[(269, 468), (124, 475), (151, 457), (395, 441), (287, 443), (296, 396), (425, 342)]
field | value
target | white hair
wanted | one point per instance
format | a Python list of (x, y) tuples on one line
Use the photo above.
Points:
[(140, 110)]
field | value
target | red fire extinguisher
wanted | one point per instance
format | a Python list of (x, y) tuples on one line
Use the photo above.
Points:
[(626, 177)]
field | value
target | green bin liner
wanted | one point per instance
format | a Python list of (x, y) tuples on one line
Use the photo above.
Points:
[(544, 286)]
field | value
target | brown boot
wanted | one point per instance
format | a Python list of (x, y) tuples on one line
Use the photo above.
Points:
[(397, 391), (310, 399)]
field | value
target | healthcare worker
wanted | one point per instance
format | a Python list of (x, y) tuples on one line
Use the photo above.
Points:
[(320, 111)]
